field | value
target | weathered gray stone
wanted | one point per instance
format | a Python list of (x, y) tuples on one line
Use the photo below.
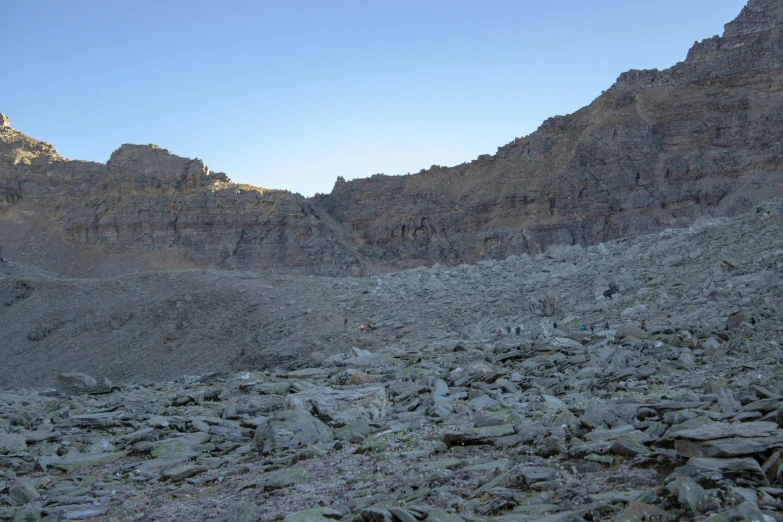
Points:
[(83, 383), (745, 512), (725, 430), (478, 435), (10, 443), (22, 492), (185, 445), (727, 447), (611, 415), (27, 514), (81, 512), (730, 468), (290, 429), (322, 514), (287, 477), (245, 512), (637, 511), (530, 475), (180, 473), (78, 461), (343, 405), (689, 494), (629, 446)]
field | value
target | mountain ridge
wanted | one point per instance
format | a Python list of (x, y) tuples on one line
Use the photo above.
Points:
[(657, 149)]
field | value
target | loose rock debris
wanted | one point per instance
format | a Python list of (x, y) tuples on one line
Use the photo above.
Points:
[(681, 421)]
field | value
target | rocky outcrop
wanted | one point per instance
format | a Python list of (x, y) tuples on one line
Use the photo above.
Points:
[(658, 149)]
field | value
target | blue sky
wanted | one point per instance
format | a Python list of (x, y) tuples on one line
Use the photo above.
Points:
[(291, 94)]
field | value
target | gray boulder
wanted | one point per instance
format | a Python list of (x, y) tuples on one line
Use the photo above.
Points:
[(341, 406), (290, 429), (10, 442), (83, 383), (22, 492), (245, 512)]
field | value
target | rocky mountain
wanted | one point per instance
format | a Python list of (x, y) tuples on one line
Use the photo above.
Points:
[(657, 149), (576, 378)]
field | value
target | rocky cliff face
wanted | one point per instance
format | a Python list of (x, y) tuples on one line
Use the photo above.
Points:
[(85, 218), (656, 150)]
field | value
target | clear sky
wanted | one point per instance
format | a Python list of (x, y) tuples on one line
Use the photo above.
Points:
[(291, 94)]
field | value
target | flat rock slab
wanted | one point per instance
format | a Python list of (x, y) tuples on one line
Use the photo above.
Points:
[(747, 470), (637, 511), (180, 473), (612, 433), (98, 420), (726, 465), (478, 435), (675, 405), (154, 466), (499, 464), (629, 446), (290, 429), (287, 477), (245, 512), (11, 443), (565, 342), (343, 405), (80, 512), (322, 514), (183, 446), (80, 460), (732, 447), (533, 474), (746, 512), (689, 494), (554, 403), (722, 430), (611, 414)]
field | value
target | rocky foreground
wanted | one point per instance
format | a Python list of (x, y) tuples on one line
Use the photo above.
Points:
[(445, 412)]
